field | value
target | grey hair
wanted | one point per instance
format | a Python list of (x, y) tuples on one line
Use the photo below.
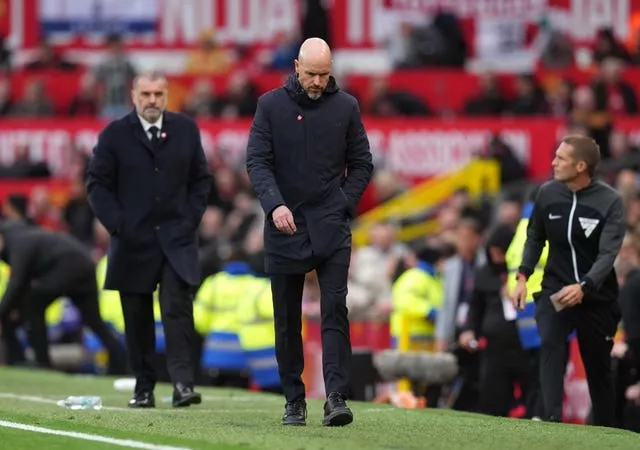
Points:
[(152, 75)]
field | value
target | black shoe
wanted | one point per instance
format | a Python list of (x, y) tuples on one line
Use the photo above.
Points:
[(336, 413), (295, 413), (143, 399), (185, 396)]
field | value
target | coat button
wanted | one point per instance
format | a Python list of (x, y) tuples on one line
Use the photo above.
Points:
[(157, 227), (157, 198), (155, 169)]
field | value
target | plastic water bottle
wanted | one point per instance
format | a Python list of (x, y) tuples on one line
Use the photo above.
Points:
[(81, 402)]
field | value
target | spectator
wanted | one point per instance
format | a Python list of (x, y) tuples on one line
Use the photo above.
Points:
[(47, 58), (241, 98), (6, 104), (440, 43), (115, 75), (35, 103), (5, 55), (511, 168), (607, 46), (529, 99), (372, 270), (559, 98), (77, 214), (611, 93), (457, 275), (285, 51), (558, 53), (15, 207), (202, 101), (489, 101), (209, 58), (24, 167), (86, 102), (387, 102)]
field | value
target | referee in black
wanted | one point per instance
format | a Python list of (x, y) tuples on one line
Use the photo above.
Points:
[(583, 221)]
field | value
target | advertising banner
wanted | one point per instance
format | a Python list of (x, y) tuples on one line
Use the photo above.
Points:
[(361, 24), (148, 24), (413, 149)]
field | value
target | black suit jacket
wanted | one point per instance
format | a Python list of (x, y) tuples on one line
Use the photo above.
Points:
[(35, 254), (313, 157), (151, 200)]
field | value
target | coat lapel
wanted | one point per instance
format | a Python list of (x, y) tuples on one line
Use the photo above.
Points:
[(138, 131), (142, 137)]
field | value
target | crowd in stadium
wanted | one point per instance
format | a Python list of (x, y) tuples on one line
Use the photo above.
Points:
[(233, 222)]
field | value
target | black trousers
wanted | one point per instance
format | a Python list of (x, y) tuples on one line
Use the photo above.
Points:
[(176, 306), (32, 313), (533, 396), (595, 324), (336, 343), (465, 396), (499, 370)]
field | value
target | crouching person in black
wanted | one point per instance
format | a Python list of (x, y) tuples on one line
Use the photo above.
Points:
[(491, 316), (45, 266)]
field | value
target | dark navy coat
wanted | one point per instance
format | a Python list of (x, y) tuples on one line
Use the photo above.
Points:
[(150, 200), (312, 156)]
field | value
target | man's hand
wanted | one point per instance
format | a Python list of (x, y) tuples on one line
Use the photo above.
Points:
[(519, 295), (571, 295), (633, 393), (467, 340), (283, 220), (619, 349)]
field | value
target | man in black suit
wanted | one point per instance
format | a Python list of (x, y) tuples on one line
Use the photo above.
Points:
[(309, 162), (44, 267), (148, 182)]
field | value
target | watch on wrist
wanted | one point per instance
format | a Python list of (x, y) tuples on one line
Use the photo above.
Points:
[(584, 286)]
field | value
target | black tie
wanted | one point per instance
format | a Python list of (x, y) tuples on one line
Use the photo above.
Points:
[(154, 136)]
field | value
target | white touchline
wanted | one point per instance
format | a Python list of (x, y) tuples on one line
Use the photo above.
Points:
[(35, 399), (89, 437)]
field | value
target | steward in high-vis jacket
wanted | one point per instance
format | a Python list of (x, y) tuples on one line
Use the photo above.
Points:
[(417, 296), (216, 319), (257, 335), (525, 318)]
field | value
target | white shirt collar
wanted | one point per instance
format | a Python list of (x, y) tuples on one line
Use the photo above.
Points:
[(146, 125)]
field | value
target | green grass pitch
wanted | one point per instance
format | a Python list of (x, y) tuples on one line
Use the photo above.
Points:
[(233, 420)]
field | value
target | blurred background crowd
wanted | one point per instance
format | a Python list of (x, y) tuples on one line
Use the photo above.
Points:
[(439, 84)]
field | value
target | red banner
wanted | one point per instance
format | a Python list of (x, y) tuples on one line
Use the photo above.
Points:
[(368, 23), (413, 149)]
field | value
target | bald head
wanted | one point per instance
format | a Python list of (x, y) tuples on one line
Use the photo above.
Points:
[(314, 50), (314, 66)]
